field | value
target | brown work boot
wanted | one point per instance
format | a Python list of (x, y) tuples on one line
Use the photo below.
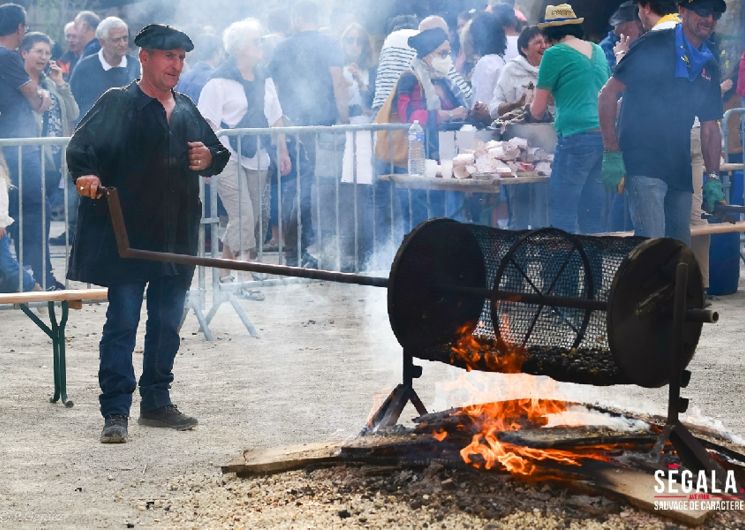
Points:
[(169, 416)]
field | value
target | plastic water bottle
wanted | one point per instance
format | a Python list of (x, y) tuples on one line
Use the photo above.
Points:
[(416, 150)]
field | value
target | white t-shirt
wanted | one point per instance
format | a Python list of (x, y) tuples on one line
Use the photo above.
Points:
[(511, 52), (485, 76), (224, 101)]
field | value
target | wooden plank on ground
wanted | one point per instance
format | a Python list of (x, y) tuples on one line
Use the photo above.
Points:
[(575, 437), (407, 449), (637, 487), (280, 459)]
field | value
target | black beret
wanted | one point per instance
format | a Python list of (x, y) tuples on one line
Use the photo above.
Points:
[(427, 41), (717, 5), (163, 37)]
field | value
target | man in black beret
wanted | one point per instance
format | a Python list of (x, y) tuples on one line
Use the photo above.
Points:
[(152, 144), (163, 37)]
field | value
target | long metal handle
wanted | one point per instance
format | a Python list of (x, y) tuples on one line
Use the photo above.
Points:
[(125, 251)]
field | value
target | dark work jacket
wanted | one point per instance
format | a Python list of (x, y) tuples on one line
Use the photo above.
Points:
[(126, 141)]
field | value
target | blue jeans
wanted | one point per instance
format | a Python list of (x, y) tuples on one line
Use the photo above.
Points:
[(578, 199), (34, 202), (658, 211), (9, 270), (165, 307)]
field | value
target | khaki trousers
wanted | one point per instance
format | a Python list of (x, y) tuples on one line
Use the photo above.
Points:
[(243, 193), (699, 244)]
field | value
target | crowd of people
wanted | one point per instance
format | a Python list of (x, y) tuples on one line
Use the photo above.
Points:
[(288, 69), (637, 118)]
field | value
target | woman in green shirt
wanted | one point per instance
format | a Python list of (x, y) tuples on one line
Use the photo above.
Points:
[(573, 71)]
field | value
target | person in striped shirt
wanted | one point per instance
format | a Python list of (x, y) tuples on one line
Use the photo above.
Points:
[(396, 56)]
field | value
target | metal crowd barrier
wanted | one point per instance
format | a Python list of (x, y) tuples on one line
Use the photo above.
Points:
[(324, 206), (329, 211), (17, 153)]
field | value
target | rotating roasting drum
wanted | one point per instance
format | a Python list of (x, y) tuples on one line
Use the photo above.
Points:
[(584, 309)]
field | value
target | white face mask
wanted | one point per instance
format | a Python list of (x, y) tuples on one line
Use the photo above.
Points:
[(442, 65)]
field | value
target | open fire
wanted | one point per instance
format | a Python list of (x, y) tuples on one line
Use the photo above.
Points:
[(488, 421)]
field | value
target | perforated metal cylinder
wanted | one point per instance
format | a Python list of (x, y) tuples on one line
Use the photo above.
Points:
[(538, 302)]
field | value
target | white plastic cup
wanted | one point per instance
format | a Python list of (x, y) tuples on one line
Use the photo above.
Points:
[(430, 168), (447, 169)]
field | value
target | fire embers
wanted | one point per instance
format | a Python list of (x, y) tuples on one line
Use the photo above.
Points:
[(595, 366), (487, 451), (490, 355), (481, 430)]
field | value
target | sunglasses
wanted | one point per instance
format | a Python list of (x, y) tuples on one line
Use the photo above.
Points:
[(706, 12)]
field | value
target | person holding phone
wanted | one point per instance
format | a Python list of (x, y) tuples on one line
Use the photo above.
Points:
[(56, 121)]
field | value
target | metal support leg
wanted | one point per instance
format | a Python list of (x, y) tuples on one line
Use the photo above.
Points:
[(243, 316), (196, 307), (390, 411), (222, 297), (56, 332), (690, 450)]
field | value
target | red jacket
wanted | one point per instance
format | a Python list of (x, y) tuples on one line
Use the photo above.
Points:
[(410, 102)]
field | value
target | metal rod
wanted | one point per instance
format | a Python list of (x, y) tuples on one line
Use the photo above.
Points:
[(540, 299), (122, 243), (676, 343), (706, 316)]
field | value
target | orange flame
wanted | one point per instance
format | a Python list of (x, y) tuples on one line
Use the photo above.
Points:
[(474, 354), (486, 450), (440, 434)]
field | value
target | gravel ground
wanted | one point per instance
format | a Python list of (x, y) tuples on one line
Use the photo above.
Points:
[(325, 356)]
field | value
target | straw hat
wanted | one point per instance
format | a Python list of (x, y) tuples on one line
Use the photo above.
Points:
[(560, 15)]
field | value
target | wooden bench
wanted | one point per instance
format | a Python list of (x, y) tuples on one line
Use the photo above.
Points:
[(56, 329)]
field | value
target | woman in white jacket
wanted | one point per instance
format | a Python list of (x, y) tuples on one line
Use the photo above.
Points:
[(517, 80), (515, 88)]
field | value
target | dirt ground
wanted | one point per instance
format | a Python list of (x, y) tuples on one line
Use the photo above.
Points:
[(324, 357)]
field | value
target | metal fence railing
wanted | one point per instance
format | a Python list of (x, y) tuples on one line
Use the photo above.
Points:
[(328, 211)]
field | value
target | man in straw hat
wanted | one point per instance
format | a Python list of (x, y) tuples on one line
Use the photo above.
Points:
[(152, 144), (650, 144)]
